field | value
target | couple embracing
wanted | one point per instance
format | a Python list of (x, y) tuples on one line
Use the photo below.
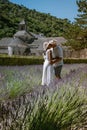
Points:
[(53, 62)]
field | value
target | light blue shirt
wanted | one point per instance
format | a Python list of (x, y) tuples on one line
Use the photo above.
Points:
[(58, 52)]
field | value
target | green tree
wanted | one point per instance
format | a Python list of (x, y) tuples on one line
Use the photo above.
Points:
[(82, 21), (82, 16), (77, 32), (37, 22)]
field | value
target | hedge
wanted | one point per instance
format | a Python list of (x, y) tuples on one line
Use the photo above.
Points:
[(32, 60)]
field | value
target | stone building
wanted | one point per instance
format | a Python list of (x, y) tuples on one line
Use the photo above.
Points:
[(4, 43), (17, 47), (28, 43), (19, 43), (25, 43), (21, 40)]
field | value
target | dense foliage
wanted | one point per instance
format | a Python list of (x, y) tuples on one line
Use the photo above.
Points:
[(50, 26), (77, 34), (82, 9), (82, 21), (11, 14)]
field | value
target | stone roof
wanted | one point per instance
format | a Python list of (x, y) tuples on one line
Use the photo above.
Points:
[(23, 35), (35, 46), (39, 42), (22, 22), (4, 42), (16, 42), (37, 35)]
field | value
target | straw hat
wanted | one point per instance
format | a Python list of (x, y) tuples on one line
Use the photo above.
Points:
[(45, 45), (53, 41)]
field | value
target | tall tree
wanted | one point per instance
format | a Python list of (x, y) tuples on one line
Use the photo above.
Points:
[(82, 21), (82, 16)]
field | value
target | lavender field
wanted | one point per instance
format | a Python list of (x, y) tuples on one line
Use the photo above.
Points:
[(60, 106), (17, 79)]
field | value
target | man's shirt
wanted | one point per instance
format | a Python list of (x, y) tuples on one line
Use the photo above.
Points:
[(58, 52)]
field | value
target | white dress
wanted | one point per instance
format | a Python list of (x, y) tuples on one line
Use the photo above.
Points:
[(48, 71)]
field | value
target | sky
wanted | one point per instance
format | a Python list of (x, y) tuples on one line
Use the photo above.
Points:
[(59, 8)]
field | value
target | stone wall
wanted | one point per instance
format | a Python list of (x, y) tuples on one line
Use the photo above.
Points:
[(70, 53)]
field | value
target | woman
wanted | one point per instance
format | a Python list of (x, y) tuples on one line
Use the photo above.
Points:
[(48, 72)]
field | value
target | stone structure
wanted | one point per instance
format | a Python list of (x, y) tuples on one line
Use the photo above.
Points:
[(10, 51), (71, 53), (4, 43), (18, 47), (19, 44), (28, 43)]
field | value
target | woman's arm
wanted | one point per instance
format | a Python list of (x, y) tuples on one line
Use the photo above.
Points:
[(49, 55)]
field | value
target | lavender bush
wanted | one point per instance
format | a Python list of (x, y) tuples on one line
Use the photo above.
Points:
[(60, 106), (15, 80)]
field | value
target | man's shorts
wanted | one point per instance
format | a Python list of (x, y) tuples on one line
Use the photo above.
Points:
[(57, 71)]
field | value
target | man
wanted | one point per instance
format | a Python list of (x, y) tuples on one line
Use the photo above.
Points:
[(57, 59)]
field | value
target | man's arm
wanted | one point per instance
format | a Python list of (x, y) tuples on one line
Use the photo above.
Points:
[(58, 54), (53, 60)]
